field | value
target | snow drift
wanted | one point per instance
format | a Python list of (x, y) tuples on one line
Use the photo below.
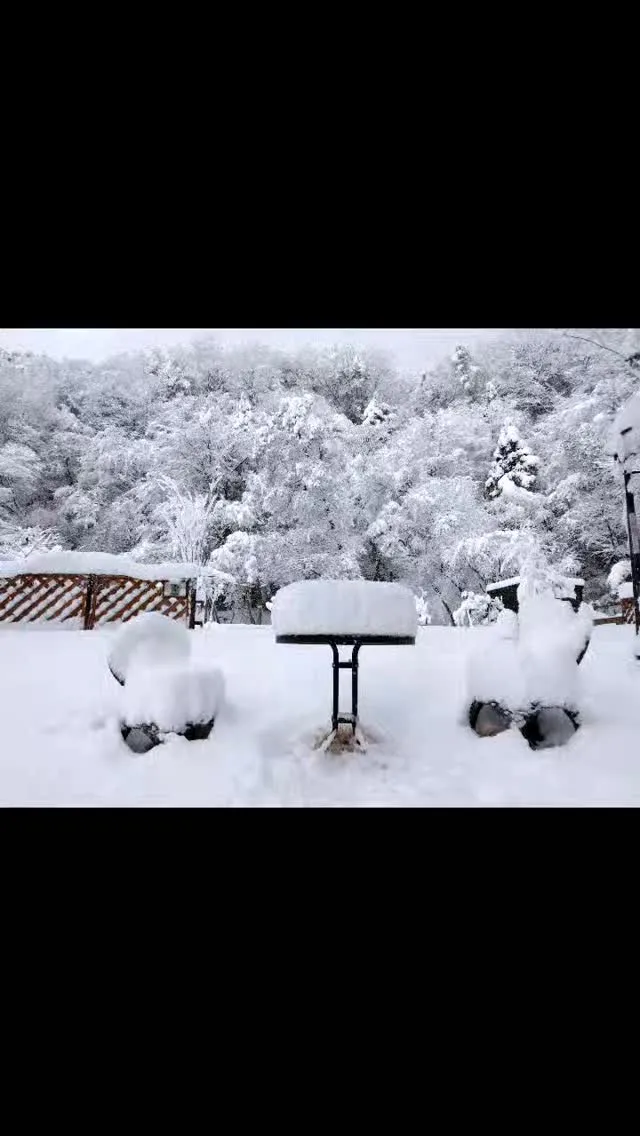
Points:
[(62, 745)]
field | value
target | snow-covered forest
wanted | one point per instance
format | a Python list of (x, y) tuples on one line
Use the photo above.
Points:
[(274, 466)]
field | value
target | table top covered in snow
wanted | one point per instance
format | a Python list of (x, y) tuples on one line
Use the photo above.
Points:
[(349, 640), (344, 611)]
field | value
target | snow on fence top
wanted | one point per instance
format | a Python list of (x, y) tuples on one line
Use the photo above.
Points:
[(97, 564), (625, 591), (344, 607)]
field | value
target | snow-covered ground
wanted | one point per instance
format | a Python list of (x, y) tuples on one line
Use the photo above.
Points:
[(60, 742)]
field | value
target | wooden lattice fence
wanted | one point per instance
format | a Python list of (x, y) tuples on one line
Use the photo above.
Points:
[(92, 601), (29, 598), (628, 610)]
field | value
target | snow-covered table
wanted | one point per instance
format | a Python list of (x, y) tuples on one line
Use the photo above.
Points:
[(354, 613)]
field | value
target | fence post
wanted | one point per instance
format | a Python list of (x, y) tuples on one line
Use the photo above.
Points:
[(88, 603), (192, 588)]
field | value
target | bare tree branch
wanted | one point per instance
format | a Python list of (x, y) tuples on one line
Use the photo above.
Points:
[(628, 359)]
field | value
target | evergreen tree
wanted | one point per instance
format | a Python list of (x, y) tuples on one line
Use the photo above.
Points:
[(376, 412), (466, 370), (512, 460)]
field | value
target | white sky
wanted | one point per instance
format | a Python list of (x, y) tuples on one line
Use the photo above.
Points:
[(413, 347)]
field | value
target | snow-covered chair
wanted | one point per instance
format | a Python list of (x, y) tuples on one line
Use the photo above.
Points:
[(489, 718), (178, 698), (526, 671), (148, 640), (548, 726), (164, 692)]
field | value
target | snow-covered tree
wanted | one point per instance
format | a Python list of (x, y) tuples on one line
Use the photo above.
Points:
[(241, 559), (466, 371), (17, 542), (513, 464), (423, 610), (296, 455), (476, 609), (376, 412), (20, 472), (186, 520)]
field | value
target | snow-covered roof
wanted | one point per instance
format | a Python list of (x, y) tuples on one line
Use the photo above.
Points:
[(344, 607), (503, 583), (97, 564), (499, 584)]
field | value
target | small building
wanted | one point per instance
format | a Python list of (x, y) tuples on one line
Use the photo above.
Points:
[(507, 591)]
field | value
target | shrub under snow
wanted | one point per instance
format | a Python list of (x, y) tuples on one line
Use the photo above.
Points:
[(423, 610), (619, 574), (477, 608)]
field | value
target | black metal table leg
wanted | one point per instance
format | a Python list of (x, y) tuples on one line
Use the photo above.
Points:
[(351, 665), (354, 684), (336, 686), (335, 641)]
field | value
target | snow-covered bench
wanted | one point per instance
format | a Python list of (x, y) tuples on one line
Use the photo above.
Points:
[(336, 613)]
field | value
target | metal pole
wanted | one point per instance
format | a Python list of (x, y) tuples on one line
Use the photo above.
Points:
[(632, 521), (354, 685), (634, 548), (336, 686)]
